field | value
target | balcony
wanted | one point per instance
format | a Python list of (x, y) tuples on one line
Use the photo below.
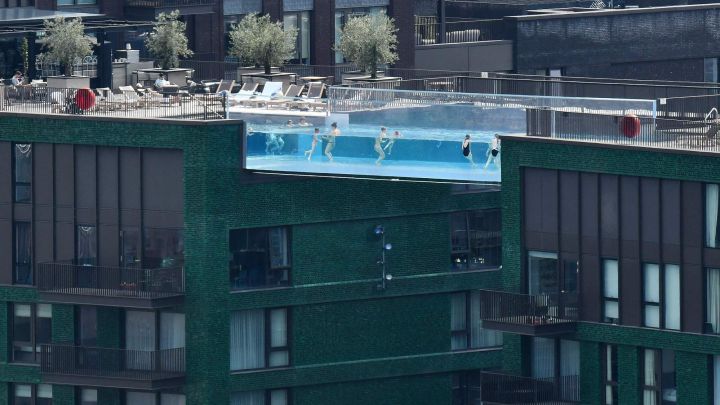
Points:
[(498, 389), (116, 368), (69, 283), (184, 6), (532, 315)]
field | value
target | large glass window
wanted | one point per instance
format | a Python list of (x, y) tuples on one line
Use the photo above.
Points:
[(260, 258), (164, 248), (542, 273), (259, 339), (467, 388), (31, 394), (712, 300), (31, 327), (75, 2), (23, 172), (712, 208), (465, 325), (611, 291), (145, 333), (23, 273), (716, 379), (341, 17), (301, 22), (659, 385), (610, 374), (153, 398), (476, 240), (268, 397), (661, 296)]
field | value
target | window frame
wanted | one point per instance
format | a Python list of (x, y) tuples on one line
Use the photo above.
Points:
[(287, 269), (17, 265), (268, 395), (706, 243), (467, 251), (662, 303), (298, 57), (33, 331), (612, 382), (157, 394), (605, 298), (34, 399), (17, 184), (658, 372), (467, 331), (267, 343)]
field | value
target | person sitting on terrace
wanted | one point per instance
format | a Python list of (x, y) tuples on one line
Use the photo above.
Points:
[(161, 82), (17, 79)]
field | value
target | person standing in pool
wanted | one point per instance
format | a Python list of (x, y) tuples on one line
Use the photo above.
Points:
[(493, 151), (309, 152), (330, 139), (466, 150), (274, 143), (382, 137), (388, 148)]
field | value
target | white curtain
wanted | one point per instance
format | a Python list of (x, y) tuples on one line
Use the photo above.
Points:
[(569, 369), (651, 294), (44, 391), (140, 336), (712, 197), (610, 288), (457, 321), (172, 399), (247, 340), (278, 338), (139, 398), (172, 330), (716, 380), (480, 337), (649, 395), (543, 358), (88, 396), (23, 391), (672, 296), (248, 398), (278, 397), (713, 299)]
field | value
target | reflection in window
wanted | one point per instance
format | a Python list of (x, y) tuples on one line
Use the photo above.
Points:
[(476, 240), (466, 326), (301, 22), (259, 339), (341, 17), (259, 258), (542, 273), (163, 248), (23, 172), (23, 254)]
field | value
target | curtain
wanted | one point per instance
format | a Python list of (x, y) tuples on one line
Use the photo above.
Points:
[(278, 397), (716, 380), (672, 296), (543, 358), (712, 197), (87, 245), (569, 369), (649, 380), (651, 294), (88, 396), (23, 253), (480, 337), (247, 340), (278, 247), (248, 398), (610, 288), (140, 398), (457, 321), (172, 399), (278, 338), (713, 299), (44, 391), (172, 336), (139, 339)]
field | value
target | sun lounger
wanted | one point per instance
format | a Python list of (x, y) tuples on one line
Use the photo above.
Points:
[(313, 99), (291, 95), (270, 90)]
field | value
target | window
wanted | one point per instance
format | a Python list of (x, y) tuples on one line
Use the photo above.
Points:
[(659, 377), (661, 296), (471, 188), (712, 303), (465, 325), (301, 22), (259, 339), (260, 258), (467, 388), (23, 172), (86, 245), (710, 70), (716, 379), (542, 273), (341, 17), (712, 198), (163, 248), (147, 331), (31, 327), (23, 273), (153, 398), (611, 291), (88, 396), (610, 374), (558, 360), (476, 240), (268, 397), (32, 394), (75, 2)]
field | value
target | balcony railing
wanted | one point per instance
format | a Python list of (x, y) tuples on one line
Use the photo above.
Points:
[(499, 388), (169, 3), (429, 32), (121, 368), (112, 286), (535, 315)]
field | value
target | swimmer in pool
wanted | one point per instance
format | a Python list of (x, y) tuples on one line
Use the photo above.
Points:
[(388, 148), (466, 150), (493, 152), (274, 143), (330, 139), (309, 152), (379, 140), (289, 123), (303, 122)]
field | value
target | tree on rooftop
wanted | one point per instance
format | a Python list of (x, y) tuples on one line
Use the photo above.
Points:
[(167, 42), (260, 41), (369, 41), (65, 41)]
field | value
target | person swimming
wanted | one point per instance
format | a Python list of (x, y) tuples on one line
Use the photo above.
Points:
[(388, 148), (330, 139), (493, 151), (309, 152), (382, 137), (466, 150), (303, 122), (274, 143)]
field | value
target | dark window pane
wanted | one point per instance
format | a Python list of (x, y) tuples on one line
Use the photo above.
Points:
[(459, 231), (43, 324), (259, 258), (485, 239), (164, 248), (86, 245), (87, 326), (130, 246), (23, 172), (23, 253)]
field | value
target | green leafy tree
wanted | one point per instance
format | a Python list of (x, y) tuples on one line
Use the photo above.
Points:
[(369, 41), (65, 41), (168, 42), (25, 55), (259, 40)]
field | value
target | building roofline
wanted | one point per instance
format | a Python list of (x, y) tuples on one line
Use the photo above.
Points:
[(162, 121), (560, 13)]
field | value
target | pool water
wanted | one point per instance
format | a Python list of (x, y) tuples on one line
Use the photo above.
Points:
[(426, 153)]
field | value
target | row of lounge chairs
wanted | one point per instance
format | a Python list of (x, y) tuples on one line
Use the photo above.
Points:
[(273, 96)]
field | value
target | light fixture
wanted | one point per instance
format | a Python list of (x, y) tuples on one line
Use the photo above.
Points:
[(388, 246), (379, 230), (384, 247)]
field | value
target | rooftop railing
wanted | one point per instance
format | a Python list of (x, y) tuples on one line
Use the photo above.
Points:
[(169, 3), (61, 360), (429, 32), (536, 315), (105, 103)]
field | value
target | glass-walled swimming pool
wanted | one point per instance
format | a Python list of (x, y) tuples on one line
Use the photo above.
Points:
[(410, 135)]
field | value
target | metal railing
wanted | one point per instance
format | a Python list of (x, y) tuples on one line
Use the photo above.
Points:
[(169, 3), (44, 100), (524, 309), (497, 388), (68, 360), (429, 33), (105, 281)]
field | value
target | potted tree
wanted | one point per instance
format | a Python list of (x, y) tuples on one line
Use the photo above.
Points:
[(66, 42), (259, 41), (168, 43), (369, 41)]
